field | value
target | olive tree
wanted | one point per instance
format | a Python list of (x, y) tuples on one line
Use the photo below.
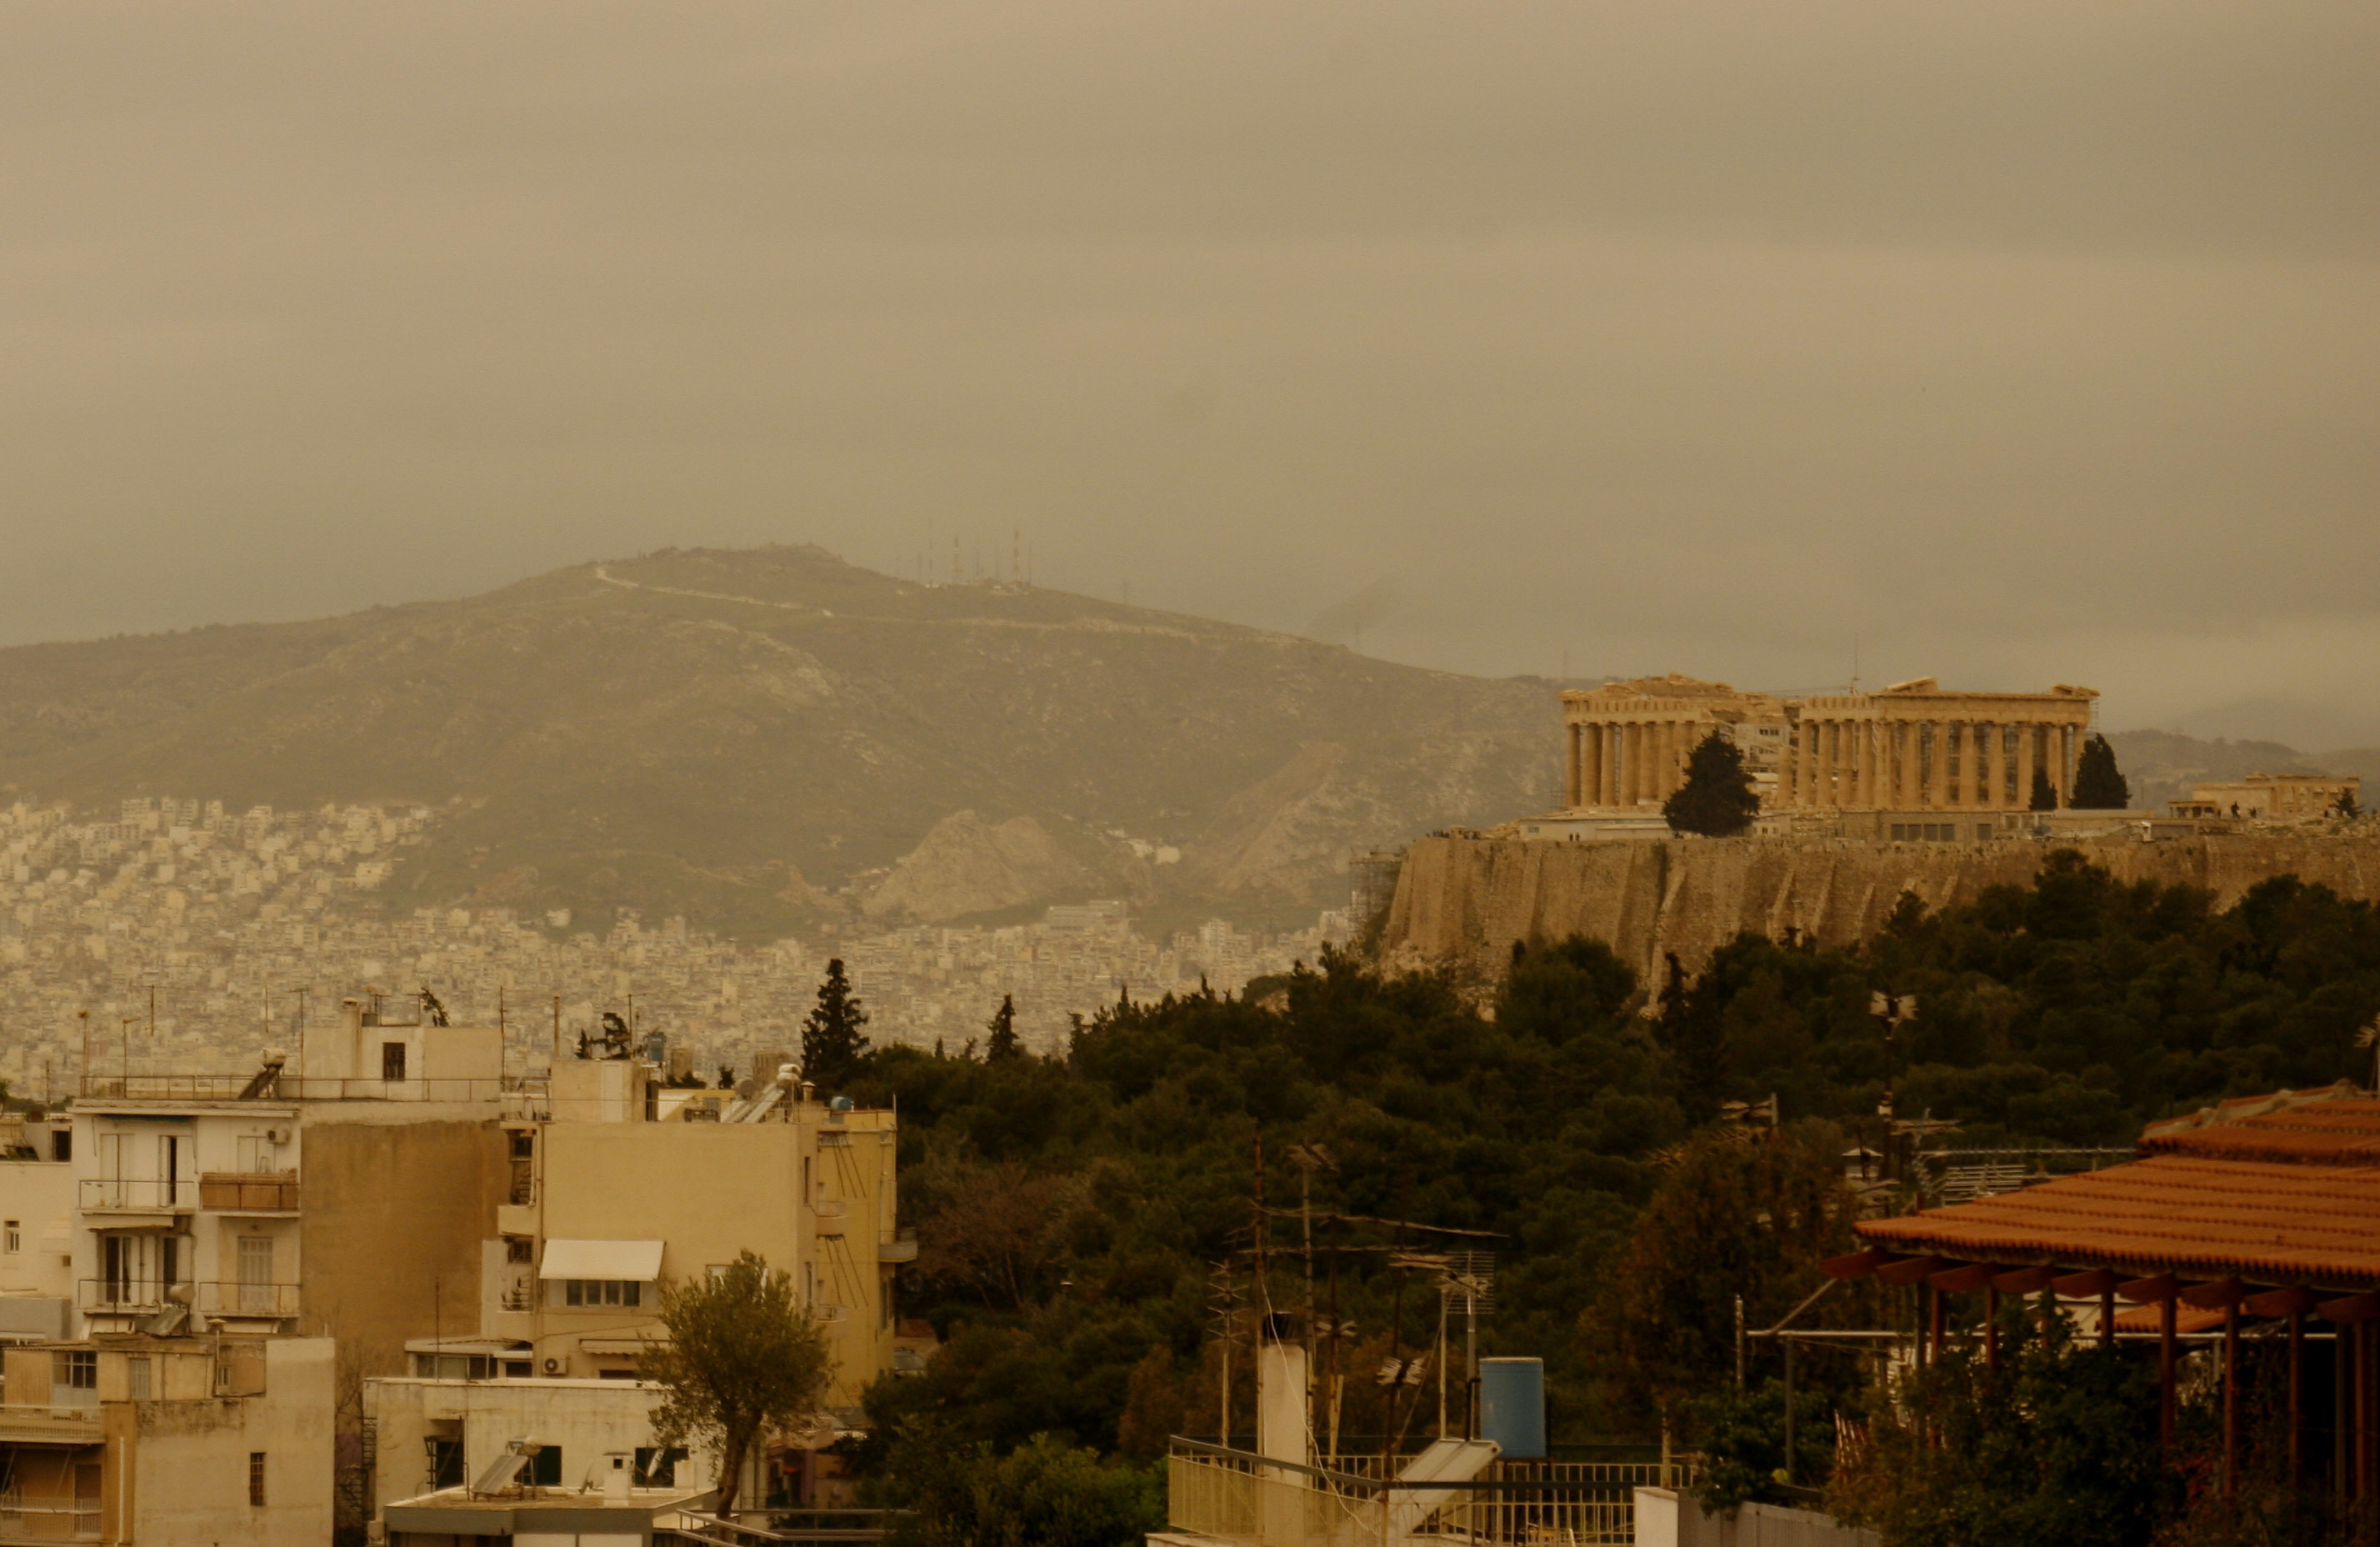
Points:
[(745, 1359)]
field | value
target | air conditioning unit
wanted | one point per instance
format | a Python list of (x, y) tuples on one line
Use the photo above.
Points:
[(553, 1367), (276, 1135)]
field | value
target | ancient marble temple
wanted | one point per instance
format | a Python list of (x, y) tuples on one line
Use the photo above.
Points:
[(1911, 748)]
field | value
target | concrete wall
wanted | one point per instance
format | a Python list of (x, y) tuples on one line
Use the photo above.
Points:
[(1669, 1518), (395, 1215), (40, 1195), (586, 1419), (1466, 900), (189, 1476)]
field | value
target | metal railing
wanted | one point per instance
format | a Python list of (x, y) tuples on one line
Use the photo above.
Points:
[(144, 1193), (1238, 1497), (120, 1297), (290, 1086), (217, 1298), (47, 1518)]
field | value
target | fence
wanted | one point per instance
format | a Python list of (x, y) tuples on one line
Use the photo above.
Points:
[(1238, 1497)]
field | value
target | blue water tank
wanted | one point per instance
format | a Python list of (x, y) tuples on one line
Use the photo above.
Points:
[(1512, 1406)]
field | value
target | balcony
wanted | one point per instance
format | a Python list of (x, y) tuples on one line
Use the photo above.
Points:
[(249, 1192), (104, 1296), (832, 1214), (48, 1517), (122, 1195), (512, 1089), (218, 1299)]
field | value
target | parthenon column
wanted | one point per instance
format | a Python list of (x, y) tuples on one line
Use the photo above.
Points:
[(1805, 763), (1937, 783), (2065, 742), (1909, 792), (1665, 771), (1862, 762), (1574, 767), (1994, 765), (1599, 764), (1631, 761)]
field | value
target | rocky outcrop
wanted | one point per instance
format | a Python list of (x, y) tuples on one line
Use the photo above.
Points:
[(1466, 900), (967, 865)]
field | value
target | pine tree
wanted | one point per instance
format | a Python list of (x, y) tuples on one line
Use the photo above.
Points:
[(1002, 1044), (1716, 799), (833, 1044), (2044, 793), (2097, 784)]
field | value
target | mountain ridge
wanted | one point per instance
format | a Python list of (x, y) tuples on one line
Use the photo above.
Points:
[(756, 738)]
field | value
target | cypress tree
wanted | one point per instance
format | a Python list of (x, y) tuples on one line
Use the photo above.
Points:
[(833, 1044), (1001, 1043), (1716, 799), (2044, 793), (2098, 786)]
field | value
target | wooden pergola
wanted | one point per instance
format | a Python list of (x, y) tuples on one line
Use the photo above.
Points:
[(2266, 1209)]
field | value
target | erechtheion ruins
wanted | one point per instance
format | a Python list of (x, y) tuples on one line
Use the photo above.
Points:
[(1910, 748)]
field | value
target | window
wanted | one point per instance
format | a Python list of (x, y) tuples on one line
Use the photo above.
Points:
[(445, 1463), (544, 1470), (521, 1249), (602, 1291), (657, 1467), (12, 1237), (61, 1144), (136, 1370), (256, 1480), (392, 1060), (75, 1370), (524, 1144)]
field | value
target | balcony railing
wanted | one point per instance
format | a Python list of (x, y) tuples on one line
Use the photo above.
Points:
[(511, 1088), (116, 1296), (218, 1299), (47, 1516), (249, 1192), (104, 1297), (1244, 1499), (138, 1195)]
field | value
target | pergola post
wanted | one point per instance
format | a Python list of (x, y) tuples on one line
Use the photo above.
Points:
[(2297, 1398), (2166, 1316), (2231, 1398)]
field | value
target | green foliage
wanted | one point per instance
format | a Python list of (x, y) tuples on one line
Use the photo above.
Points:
[(1070, 1209), (2057, 1446), (1716, 797), (743, 1360), (1735, 1215), (1742, 1435), (2044, 793), (1044, 1494), (2098, 786), (833, 1044), (1001, 1044)]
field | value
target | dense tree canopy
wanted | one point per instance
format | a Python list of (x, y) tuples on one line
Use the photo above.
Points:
[(1071, 1209), (1716, 798)]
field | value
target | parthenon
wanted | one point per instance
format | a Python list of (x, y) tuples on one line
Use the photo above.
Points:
[(1911, 748)]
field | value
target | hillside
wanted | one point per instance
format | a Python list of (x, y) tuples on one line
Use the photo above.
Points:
[(763, 740)]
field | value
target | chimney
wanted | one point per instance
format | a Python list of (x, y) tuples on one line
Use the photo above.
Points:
[(1280, 1399)]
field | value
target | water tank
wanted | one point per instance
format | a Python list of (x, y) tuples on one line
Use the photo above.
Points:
[(1512, 1406)]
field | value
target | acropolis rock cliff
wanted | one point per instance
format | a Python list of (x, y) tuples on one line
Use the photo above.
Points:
[(1466, 900)]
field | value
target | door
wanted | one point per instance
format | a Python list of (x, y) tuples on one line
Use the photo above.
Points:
[(86, 1515), (111, 1170), (256, 1275), (169, 1167)]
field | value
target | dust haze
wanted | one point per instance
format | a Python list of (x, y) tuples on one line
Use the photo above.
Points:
[(2025, 343)]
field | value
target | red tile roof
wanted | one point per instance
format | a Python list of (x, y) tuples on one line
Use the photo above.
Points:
[(2276, 1223), (2335, 1126)]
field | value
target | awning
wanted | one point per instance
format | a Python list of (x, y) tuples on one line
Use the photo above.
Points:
[(638, 1261)]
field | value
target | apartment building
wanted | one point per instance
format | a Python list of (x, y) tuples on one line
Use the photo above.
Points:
[(37, 1197), (628, 1181), (167, 1441), (430, 1436), (344, 1191)]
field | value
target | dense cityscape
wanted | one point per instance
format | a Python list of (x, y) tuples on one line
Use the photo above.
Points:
[(182, 936)]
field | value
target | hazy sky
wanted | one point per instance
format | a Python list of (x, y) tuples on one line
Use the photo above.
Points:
[(2030, 341)]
